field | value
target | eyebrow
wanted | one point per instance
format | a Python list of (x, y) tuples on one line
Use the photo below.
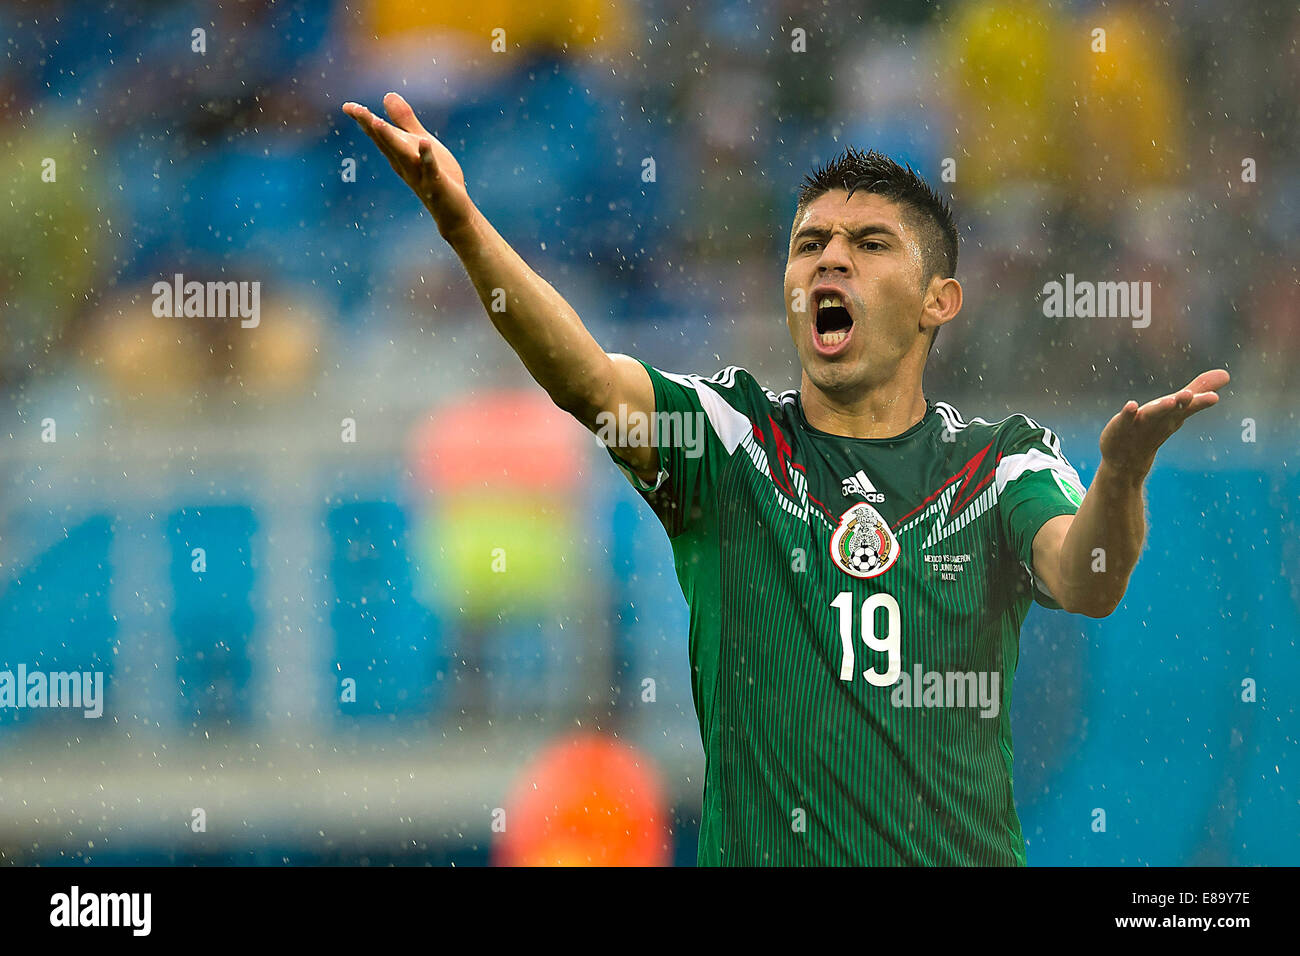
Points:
[(821, 232)]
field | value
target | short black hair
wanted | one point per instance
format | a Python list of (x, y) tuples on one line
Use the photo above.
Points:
[(873, 172), (926, 210)]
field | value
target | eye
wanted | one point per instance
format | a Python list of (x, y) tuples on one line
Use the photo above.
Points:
[(873, 242), (808, 245)]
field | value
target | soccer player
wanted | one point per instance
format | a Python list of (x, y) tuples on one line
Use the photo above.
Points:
[(857, 559)]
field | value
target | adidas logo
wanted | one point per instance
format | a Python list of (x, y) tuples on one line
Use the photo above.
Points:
[(860, 484)]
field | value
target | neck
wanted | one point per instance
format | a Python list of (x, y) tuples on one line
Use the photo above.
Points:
[(881, 411)]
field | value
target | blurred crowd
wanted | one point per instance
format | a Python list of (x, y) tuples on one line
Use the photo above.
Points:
[(1114, 141)]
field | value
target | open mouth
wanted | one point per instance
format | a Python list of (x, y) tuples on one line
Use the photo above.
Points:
[(833, 322)]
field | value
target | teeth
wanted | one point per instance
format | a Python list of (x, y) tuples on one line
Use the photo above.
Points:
[(832, 338), (828, 301)]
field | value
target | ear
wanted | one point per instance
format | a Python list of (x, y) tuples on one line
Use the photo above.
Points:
[(941, 304)]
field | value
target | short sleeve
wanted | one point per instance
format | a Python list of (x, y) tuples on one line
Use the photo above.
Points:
[(697, 425), (1035, 483)]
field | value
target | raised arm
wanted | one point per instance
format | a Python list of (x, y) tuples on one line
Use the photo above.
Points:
[(542, 328)]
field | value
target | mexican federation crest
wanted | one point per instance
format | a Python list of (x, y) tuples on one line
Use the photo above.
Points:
[(862, 545)]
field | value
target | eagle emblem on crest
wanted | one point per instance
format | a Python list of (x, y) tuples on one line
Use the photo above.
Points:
[(863, 545)]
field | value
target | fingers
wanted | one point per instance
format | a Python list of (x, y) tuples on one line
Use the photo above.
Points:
[(1200, 393), (384, 146), (384, 134), (388, 138), (1208, 381), (1196, 403), (1171, 411), (1159, 405), (400, 112), (1177, 401), (1149, 426)]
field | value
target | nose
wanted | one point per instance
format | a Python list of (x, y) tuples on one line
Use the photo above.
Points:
[(835, 256)]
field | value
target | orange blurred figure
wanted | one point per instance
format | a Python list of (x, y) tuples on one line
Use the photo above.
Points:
[(586, 801)]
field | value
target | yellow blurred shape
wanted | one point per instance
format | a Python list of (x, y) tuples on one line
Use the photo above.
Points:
[(1037, 101), (280, 355), (491, 553), (575, 23), (144, 356)]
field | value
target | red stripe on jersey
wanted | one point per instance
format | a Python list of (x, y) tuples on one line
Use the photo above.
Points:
[(965, 493)]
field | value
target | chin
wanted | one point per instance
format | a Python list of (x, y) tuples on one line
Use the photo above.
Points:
[(833, 376)]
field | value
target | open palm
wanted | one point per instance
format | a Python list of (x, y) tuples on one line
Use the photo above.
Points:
[(1130, 439), (424, 164)]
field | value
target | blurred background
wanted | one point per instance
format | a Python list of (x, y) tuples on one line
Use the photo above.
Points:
[(362, 595)]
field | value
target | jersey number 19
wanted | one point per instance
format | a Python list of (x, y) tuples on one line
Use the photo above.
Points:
[(889, 644)]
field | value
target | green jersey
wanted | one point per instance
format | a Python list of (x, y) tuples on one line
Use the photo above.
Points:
[(855, 609)]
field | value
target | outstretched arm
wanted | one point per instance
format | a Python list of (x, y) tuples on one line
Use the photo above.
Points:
[(531, 316), (1066, 557)]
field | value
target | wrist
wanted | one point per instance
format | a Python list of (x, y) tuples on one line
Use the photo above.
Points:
[(1128, 473), (463, 232)]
